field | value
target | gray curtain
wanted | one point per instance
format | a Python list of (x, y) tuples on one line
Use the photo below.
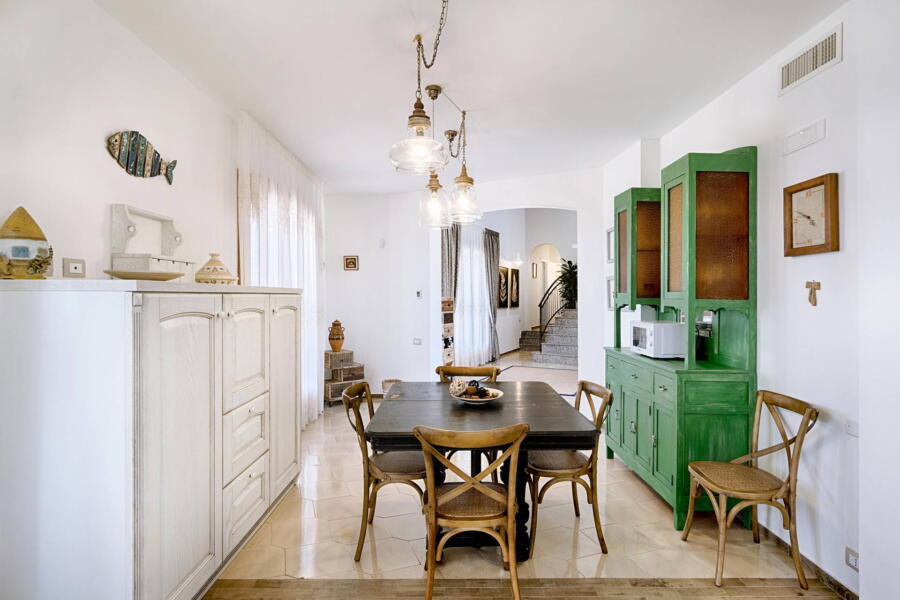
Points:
[(492, 264), (449, 260)]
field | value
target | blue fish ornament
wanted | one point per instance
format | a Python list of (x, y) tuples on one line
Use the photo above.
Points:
[(138, 157)]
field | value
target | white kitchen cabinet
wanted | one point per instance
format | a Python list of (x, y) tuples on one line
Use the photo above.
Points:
[(149, 428)]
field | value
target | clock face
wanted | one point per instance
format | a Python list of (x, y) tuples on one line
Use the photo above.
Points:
[(808, 216)]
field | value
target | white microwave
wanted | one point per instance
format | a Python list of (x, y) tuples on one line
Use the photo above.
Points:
[(658, 339)]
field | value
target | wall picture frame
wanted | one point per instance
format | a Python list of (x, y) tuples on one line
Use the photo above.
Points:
[(811, 216), (503, 288), (351, 263), (514, 288), (610, 293), (610, 244)]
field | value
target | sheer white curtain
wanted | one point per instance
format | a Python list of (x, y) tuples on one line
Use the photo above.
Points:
[(472, 319), (280, 234)]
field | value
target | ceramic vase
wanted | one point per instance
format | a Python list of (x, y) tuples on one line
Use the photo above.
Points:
[(215, 271), (336, 336)]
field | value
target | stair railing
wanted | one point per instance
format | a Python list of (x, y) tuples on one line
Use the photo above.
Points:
[(551, 304)]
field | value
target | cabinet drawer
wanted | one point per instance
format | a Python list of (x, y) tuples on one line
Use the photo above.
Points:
[(636, 376), (244, 501), (245, 436), (663, 388), (615, 370)]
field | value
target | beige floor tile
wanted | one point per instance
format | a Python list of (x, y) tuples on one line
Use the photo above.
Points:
[(565, 543), (406, 527), (386, 555), (327, 560), (609, 565), (393, 506), (346, 531), (258, 562)]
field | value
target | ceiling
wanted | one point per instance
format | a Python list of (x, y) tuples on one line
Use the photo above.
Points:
[(550, 85)]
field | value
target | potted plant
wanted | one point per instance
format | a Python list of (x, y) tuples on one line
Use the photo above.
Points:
[(568, 276)]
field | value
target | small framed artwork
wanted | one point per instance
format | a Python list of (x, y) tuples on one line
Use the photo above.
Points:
[(514, 288), (610, 293), (503, 288), (534, 270), (811, 216), (610, 244), (351, 263)]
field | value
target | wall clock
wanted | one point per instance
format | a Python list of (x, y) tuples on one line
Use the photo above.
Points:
[(811, 216)]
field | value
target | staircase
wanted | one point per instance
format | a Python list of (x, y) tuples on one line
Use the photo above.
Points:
[(560, 345), (530, 340)]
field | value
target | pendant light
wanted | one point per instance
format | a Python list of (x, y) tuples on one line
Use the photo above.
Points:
[(464, 206), (434, 205), (417, 153)]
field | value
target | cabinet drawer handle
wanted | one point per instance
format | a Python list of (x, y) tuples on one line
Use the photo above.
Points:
[(632, 427), (251, 475), (634, 375), (612, 367), (653, 439), (252, 411), (663, 388)]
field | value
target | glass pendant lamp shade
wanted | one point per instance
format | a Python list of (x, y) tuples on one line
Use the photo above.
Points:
[(418, 153), (464, 206), (434, 205)]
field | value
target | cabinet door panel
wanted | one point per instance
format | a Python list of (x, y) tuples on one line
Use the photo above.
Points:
[(664, 451), (643, 445), (245, 348), (285, 397), (179, 445), (614, 414), (629, 423)]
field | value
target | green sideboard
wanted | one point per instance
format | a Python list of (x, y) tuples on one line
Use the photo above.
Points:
[(687, 252)]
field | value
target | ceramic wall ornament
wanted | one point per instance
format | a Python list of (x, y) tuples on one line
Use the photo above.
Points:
[(24, 251), (336, 336), (138, 157), (215, 271)]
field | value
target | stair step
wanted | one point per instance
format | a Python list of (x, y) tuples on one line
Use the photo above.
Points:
[(565, 322), (554, 330), (556, 359), (568, 313), (530, 334), (562, 340), (559, 349)]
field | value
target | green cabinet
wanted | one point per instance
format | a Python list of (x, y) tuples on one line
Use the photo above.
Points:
[(688, 250)]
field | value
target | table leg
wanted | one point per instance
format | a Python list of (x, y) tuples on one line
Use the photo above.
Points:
[(523, 539)]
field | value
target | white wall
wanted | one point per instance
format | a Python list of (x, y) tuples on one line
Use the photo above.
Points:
[(546, 226), (511, 225), (808, 352), (72, 76)]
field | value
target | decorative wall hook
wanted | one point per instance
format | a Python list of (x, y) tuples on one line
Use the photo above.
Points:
[(813, 286)]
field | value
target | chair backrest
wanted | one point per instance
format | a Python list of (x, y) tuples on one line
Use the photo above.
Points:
[(432, 439), (352, 398), (447, 373), (594, 391), (791, 446)]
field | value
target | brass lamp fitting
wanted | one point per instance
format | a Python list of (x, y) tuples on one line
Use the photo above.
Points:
[(419, 119), (464, 178)]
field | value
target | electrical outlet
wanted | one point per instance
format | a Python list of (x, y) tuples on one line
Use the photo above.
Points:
[(417, 341), (73, 267), (851, 557), (851, 427)]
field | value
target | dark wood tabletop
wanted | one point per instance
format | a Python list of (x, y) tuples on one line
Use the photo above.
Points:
[(555, 424)]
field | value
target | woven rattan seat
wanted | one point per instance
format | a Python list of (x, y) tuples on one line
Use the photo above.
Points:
[(732, 477), (400, 463), (557, 460), (471, 504)]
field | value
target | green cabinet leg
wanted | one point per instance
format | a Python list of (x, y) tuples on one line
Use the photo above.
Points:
[(609, 453), (680, 519)]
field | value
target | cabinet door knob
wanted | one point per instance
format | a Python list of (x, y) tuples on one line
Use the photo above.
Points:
[(632, 427), (612, 367), (251, 475), (663, 388), (634, 375), (653, 439)]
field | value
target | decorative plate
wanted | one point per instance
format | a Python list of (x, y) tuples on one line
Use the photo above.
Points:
[(475, 401), (144, 275)]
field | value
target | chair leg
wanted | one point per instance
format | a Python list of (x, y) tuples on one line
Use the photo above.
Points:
[(534, 512), (575, 499), (364, 524), (722, 517), (695, 491), (597, 525), (511, 553), (755, 518), (795, 549), (371, 515), (430, 562)]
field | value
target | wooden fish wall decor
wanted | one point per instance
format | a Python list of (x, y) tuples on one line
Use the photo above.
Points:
[(138, 157)]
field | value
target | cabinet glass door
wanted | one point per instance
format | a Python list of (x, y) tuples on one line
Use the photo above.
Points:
[(622, 251)]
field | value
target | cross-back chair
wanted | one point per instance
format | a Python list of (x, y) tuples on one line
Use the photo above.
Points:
[(753, 486), (571, 466), (472, 504), (379, 468), (446, 374)]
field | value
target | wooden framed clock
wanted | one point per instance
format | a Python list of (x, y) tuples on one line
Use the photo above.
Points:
[(811, 216)]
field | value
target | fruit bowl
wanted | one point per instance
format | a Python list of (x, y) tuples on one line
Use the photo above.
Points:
[(492, 394)]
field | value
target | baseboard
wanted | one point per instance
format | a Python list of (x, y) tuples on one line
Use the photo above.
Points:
[(836, 586)]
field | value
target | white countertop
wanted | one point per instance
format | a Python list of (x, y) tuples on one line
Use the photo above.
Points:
[(128, 285)]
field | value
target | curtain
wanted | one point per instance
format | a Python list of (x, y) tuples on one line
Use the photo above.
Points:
[(472, 319), (492, 266), (449, 260), (281, 241)]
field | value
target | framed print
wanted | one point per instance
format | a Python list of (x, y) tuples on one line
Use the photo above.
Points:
[(610, 244), (514, 288), (351, 263), (503, 288), (811, 216), (610, 293)]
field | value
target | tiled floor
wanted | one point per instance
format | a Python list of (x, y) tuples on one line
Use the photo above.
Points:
[(522, 358), (312, 533)]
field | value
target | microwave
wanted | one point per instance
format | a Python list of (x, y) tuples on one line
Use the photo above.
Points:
[(658, 339)]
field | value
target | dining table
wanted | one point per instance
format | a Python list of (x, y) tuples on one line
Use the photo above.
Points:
[(554, 425)]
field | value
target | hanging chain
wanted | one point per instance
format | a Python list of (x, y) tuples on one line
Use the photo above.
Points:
[(420, 49), (460, 140)]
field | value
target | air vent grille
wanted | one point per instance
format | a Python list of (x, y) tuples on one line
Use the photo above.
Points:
[(815, 59)]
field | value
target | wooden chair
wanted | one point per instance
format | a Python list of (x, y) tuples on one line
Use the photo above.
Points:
[(446, 373), (380, 468), (569, 465), (471, 505), (751, 485)]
